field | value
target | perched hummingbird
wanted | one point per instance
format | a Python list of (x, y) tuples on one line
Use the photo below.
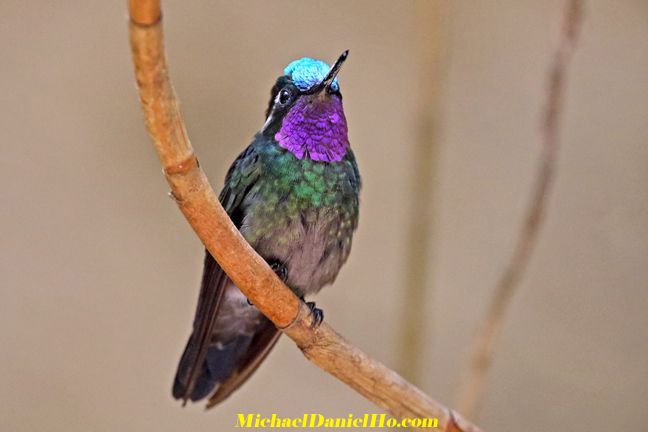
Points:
[(293, 194)]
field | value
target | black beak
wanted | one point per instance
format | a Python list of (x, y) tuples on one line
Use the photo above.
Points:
[(330, 76)]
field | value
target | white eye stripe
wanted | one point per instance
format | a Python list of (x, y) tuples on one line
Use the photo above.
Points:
[(277, 101)]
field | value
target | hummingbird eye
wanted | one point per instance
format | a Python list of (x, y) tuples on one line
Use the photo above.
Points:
[(284, 96)]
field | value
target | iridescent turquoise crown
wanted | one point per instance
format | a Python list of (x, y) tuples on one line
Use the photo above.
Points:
[(306, 72)]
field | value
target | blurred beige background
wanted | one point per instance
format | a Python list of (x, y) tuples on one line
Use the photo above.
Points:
[(100, 272)]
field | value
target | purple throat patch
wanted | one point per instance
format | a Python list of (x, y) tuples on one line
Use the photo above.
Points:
[(317, 130)]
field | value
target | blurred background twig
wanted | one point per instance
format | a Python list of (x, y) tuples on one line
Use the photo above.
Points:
[(418, 290), (481, 358)]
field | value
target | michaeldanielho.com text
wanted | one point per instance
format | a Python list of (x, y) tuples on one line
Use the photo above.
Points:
[(318, 420)]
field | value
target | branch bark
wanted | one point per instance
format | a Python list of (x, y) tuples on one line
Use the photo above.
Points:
[(482, 355), (198, 202)]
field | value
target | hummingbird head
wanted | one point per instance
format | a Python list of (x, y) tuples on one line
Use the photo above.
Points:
[(305, 114)]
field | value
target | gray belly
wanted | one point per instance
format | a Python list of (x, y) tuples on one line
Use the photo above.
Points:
[(313, 246)]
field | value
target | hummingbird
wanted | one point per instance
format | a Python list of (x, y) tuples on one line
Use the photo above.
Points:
[(293, 193)]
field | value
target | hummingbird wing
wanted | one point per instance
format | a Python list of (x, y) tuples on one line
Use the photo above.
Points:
[(208, 361), (212, 288)]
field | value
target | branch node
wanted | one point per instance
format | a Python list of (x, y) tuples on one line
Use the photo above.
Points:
[(172, 196), (144, 13), (182, 167)]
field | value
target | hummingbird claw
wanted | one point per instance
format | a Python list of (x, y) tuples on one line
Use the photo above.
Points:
[(280, 269), (318, 314)]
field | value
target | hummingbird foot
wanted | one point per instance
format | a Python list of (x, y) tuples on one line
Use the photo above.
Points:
[(280, 269), (318, 314)]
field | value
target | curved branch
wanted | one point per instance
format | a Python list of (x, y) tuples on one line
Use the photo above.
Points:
[(197, 201), (481, 358)]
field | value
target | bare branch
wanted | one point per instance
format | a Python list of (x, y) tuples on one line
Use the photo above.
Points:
[(418, 287), (197, 201), (481, 358)]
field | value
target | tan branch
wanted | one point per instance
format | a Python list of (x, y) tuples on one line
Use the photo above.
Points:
[(197, 201), (482, 355)]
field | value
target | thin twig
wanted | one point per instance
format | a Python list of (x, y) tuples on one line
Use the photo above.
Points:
[(197, 201), (482, 355), (418, 289)]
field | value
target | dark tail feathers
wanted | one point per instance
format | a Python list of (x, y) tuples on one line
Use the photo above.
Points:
[(220, 362)]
